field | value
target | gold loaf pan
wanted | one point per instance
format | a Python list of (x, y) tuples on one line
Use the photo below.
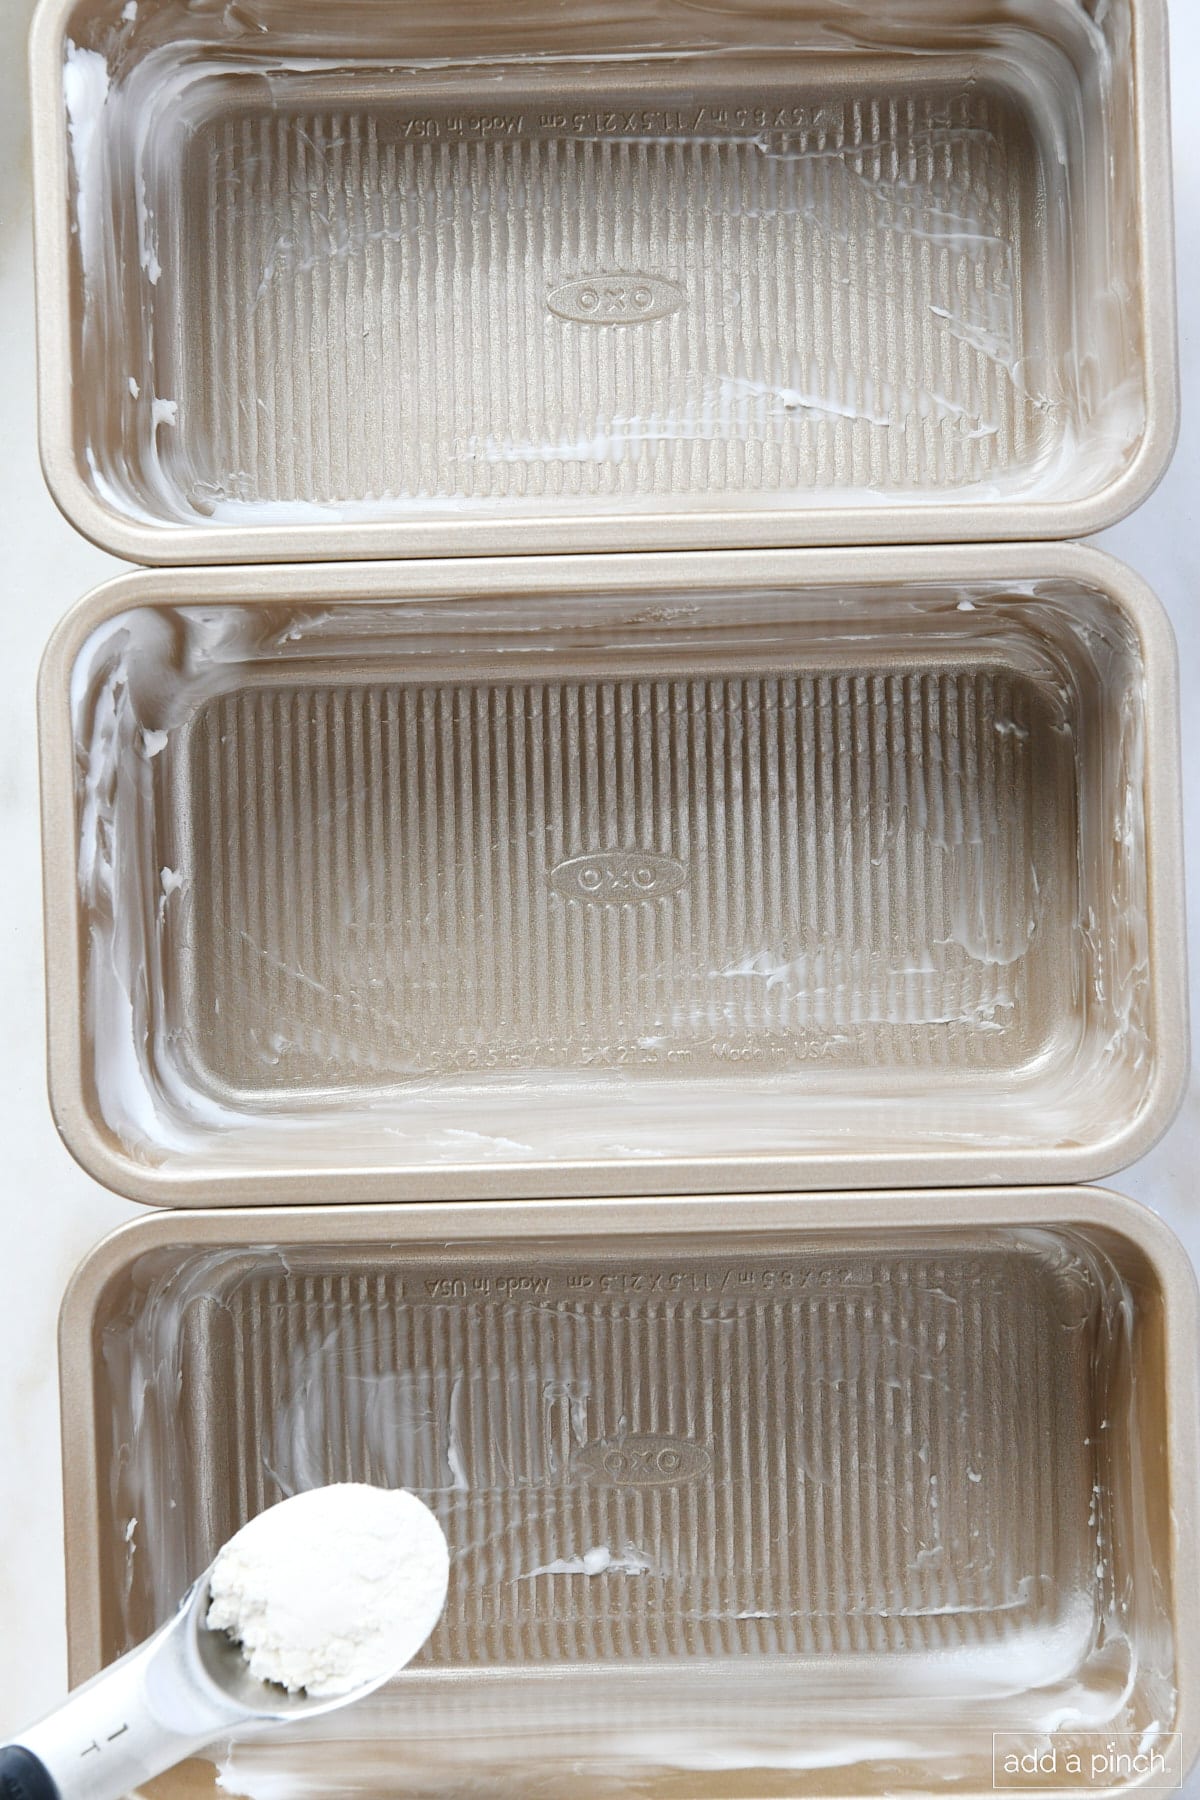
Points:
[(812, 1502), (362, 280), (592, 876)]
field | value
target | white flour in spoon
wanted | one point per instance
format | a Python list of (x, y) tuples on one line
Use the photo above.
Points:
[(334, 1589)]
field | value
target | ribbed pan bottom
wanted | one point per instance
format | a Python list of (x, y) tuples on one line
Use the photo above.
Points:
[(877, 1472)]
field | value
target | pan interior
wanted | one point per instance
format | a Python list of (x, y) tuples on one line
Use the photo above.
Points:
[(721, 1510), (615, 878), (460, 264)]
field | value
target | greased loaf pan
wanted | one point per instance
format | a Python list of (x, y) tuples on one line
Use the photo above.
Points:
[(571, 876), (355, 279), (856, 1498)]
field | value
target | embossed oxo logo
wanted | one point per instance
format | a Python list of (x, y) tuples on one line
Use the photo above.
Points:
[(643, 1461), (616, 299), (616, 877)]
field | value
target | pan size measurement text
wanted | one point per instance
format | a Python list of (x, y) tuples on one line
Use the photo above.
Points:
[(602, 122), (722, 1281)]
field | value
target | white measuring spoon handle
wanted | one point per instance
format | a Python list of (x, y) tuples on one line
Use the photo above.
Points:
[(139, 1716)]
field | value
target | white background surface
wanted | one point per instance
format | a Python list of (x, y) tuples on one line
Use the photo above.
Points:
[(50, 1212)]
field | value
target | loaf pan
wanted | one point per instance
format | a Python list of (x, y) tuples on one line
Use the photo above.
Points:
[(815, 1506), (363, 280), (573, 876)]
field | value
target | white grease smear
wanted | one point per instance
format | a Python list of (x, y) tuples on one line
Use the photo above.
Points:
[(85, 90), (599, 1560)]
